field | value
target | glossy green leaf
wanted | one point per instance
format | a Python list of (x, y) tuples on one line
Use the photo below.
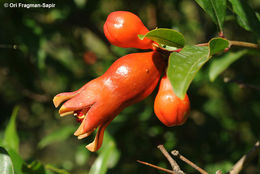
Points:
[(57, 135), (165, 36), (183, 67), (34, 168), (217, 45), (16, 160), (216, 9), (246, 16), (107, 158), (11, 138), (6, 165), (218, 65)]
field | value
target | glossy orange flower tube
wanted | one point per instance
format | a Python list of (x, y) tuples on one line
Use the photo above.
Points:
[(122, 28), (129, 79), (170, 109)]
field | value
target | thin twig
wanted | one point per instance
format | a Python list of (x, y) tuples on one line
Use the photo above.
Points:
[(175, 166), (244, 44), (35, 96), (245, 159), (231, 42), (202, 44), (157, 167), (177, 154), (237, 43), (241, 84), (8, 46)]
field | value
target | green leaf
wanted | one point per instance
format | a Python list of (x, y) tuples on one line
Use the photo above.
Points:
[(216, 9), (258, 16), (246, 16), (165, 36), (6, 165), (16, 159), (11, 138), (57, 135), (217, 45), (34, 168), (219, 64), (107, 158), (183, 67)]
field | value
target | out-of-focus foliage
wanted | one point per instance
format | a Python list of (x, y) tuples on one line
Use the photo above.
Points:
[(220, 64), (47, 51)]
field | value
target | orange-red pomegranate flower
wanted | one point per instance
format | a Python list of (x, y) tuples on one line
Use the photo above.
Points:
[(129, 79)]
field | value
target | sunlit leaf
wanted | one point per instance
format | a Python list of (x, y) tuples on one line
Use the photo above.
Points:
[(11, 138), (216, 9), (219, 64), (166, 37), (16, 160), (6, 165), (183, 67), (57, 135)]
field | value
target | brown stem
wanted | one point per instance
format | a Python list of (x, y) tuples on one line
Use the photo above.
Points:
[(202, 44), (244, 44), (173, 163), (177, 154), (157, 167), (245, 159)]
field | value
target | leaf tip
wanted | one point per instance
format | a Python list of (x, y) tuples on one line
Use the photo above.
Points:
[(141, 36)]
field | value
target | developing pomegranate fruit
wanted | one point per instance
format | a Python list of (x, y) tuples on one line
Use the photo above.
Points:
[(122, 28), (170, 109)]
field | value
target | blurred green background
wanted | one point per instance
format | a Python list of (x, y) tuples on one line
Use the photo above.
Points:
[(47, 51)]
